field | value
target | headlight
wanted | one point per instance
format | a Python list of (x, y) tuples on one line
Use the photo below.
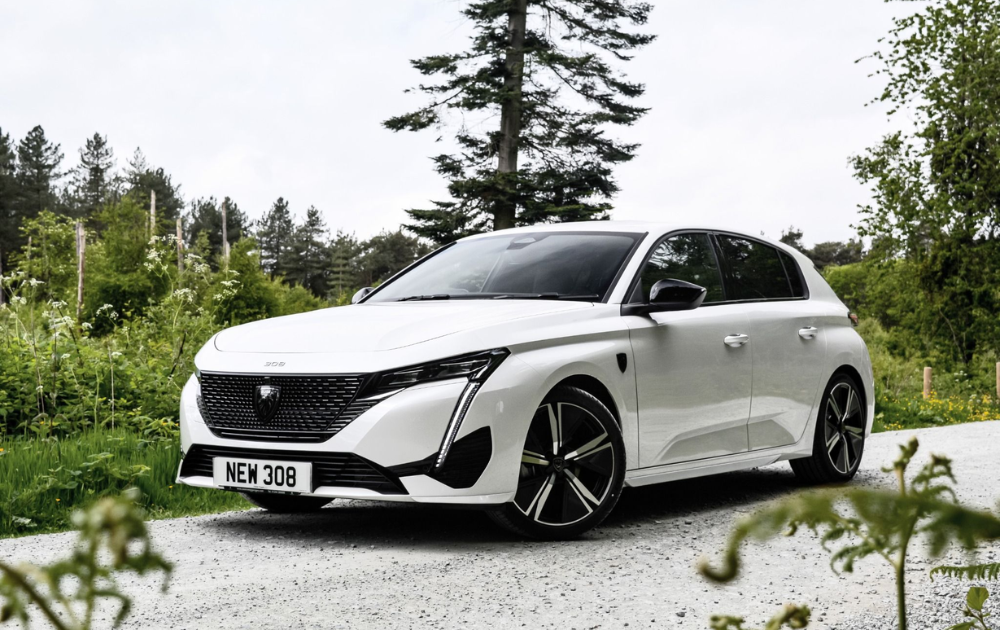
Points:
[(475, 367)]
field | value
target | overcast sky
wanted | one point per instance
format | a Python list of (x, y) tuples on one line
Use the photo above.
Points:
[(756, 105)]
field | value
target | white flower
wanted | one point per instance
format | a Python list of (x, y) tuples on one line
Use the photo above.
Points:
[(86, 326), (115, 355), (64, 356), (17, 299), (35, 282)]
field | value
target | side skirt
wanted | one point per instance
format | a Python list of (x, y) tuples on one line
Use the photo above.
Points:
[(704, 467)]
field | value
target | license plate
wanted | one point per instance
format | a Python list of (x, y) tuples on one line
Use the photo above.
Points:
[(262, 474)]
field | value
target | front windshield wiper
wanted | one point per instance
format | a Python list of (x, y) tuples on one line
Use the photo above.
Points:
[(421, 298)]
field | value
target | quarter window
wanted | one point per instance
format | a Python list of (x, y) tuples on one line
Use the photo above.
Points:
[(754, 269), (685, 257), (794, 275)]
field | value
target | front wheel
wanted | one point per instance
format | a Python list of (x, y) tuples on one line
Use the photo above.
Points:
[(839, 440), (285, 503), (572, 468)]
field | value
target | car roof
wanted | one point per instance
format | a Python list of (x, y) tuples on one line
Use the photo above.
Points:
[(654, 228)]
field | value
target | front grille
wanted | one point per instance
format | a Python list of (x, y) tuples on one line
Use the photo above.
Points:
[(310, 408), (341, 470)]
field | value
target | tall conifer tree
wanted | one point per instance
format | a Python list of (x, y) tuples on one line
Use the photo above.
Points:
[(535, 93), (9, 234), (93, 178), (37, 174), (274, 236)]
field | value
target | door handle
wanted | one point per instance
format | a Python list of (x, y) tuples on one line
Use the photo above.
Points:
[(809, 332), (735, 341)]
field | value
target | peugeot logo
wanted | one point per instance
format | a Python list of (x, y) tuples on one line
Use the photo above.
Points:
[(265, 402)]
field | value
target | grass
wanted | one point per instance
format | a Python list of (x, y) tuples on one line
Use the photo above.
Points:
[(43, 481), (895, 413)]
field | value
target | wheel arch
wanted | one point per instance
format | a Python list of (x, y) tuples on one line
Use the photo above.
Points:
[(595, 387), (850, 370)]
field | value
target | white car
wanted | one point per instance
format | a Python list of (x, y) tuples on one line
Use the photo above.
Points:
[(535, 372)]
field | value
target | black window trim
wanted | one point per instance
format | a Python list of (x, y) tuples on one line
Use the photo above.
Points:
[(722, 267), (639, 237)]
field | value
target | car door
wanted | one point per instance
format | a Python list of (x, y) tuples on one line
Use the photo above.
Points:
[(693, 368), (788, 337)]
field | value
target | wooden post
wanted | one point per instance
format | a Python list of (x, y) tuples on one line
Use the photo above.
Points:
[(225, 234), (927, 382), (152, 214), (3, 297), (81, 246), (998, 384), (180, 247)]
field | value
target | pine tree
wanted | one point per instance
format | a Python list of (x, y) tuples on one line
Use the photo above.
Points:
[(9, 234), (549, 159), (206, 217), (141, 179), (93, 178), (309, 259), (387, 253), (37, 173), (345, 260), (274, 235)]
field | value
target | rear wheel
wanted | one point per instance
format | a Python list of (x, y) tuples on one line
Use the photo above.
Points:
[(285, 503), (839, 441), (572, 468)]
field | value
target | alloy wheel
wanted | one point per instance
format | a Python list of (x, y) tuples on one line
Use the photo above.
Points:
[(844, 427), (567, 465)]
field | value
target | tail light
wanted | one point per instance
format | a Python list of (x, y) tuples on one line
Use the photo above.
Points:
[(854, 318)]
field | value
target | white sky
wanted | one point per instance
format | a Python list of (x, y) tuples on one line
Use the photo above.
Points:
[(756, 104)]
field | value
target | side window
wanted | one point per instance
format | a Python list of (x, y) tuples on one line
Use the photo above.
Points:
[(685, 257), (754, 269), (794, 275)]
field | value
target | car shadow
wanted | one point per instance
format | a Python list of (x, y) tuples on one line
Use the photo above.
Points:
[(382, 524)]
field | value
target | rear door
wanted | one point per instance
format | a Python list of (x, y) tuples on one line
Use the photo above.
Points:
[(693, 389), (789, 343)]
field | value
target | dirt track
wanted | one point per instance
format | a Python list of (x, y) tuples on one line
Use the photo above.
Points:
[(370, 565)]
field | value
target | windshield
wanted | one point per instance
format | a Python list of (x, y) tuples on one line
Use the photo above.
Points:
[(543, 265)]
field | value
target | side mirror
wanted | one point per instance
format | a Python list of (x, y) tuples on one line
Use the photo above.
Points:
[(362, 294), (669, 295)]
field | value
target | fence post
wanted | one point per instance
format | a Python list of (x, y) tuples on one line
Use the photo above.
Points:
[(998, 384), (927, 382), (225, 235), (152, 214), (2, 297), (81, 245), (180, 247)]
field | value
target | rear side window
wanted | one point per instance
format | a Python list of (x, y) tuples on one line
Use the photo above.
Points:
[(754, 269), (794, 275), (685, 257)]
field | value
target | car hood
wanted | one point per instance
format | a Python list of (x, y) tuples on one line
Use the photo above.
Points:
[(379, 326)]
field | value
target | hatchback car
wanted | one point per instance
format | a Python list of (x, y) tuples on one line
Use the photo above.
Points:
[(535, 372)]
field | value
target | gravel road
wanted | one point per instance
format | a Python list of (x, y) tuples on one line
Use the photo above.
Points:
[(370, 565)]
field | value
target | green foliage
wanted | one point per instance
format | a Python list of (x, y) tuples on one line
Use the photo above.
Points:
[(113, 539), (825, 254), (936, 185), (206, 219), (864, 522), (793, 616), (38, 162), (43, 479), (246, 295), (93, 179), (989, 571), (141, 179), (541, 69), (975, 599)]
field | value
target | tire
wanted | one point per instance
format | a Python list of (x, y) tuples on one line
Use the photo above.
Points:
[(572, 469), (285, 503), (839, 441)]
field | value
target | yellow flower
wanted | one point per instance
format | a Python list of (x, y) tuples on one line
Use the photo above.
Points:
[(57, 500)]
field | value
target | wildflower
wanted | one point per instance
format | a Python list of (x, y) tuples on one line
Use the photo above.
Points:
[(115, 355), (58, 500), (34, 282), (64, 356)]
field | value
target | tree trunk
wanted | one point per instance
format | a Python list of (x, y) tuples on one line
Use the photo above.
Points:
[(81, 246), (180, 247), (505, 208), (225, 235), (152, 214)]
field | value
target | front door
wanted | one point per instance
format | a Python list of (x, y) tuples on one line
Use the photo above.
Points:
[(693, 368)]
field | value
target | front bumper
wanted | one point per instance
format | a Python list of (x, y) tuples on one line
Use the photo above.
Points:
[(386, 452)]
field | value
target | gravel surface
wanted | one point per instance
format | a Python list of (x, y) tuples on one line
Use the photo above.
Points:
[(370, 565)]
